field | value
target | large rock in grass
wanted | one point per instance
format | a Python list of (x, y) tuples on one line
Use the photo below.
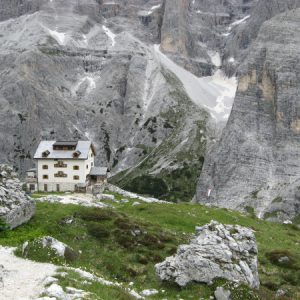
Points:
[(217, 251), (16, 207)]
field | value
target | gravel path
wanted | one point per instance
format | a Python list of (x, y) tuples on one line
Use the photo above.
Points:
[(21, 279)]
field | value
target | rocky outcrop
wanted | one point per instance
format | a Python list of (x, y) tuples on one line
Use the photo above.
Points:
[(16, 8), (194, 32), (238, 43), (52, 245), (256, 162), (16, 207), (217, 251), (174, 30)]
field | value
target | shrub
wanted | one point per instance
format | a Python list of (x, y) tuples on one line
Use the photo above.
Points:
[(292, 277), (98, 231), (134, 271), (151, 241), (125, 224), (3, 225), (276, 258), (277, 200), (70, 255), (142, 259), (271, 285), (96, 215), (250, 210), (148, 185), (124, 238), (254, 194), (156, 258)]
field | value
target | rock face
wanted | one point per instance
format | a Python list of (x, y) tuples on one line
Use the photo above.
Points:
[(16, 208), (256, 162), (194, 33), (217, 251), (89, 71)]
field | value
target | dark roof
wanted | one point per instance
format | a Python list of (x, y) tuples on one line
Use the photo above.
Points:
[(65, 143), (98, 171)]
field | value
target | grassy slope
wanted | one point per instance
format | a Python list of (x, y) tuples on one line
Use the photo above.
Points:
[(181, 182), (121, 257)]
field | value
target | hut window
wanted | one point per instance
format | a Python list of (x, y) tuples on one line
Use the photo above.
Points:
[(60, 174), (60, 164)]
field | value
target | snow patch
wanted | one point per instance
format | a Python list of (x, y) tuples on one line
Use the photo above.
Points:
[(85, 39), (90, 81), (152, 9), (110, 34), (155, 7), (215, 58), (213, 93), (226, 34), (234, 24), (60, 37), (238, 22)]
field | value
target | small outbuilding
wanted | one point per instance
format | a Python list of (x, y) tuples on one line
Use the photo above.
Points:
[(31, 180), (98, 175)]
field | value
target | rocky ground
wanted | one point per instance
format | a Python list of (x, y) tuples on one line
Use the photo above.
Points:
[(113, 251)]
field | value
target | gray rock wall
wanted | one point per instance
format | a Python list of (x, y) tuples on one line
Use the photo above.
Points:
[(256, 162)]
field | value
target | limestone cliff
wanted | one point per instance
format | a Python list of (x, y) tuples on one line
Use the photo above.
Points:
[(256, 163)]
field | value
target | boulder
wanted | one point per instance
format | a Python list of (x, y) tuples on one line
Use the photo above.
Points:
[(222, 294), (58, 248), (216, 251), (16, 207), (105, 197)]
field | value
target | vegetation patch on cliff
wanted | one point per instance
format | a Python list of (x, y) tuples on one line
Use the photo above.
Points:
[(171, 170)]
